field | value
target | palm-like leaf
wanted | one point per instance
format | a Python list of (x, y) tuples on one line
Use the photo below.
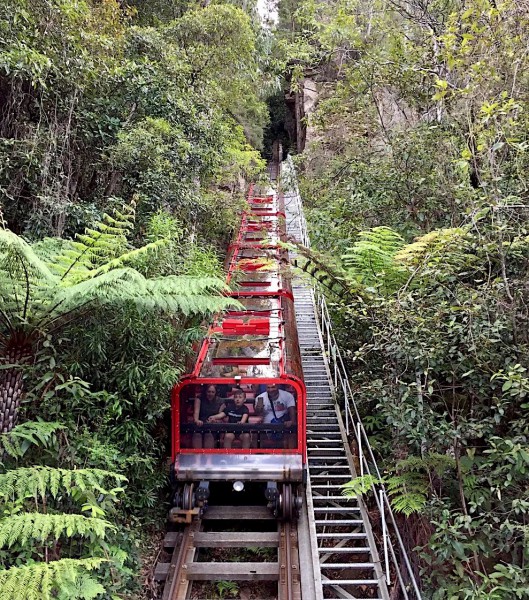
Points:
[(39, 285)]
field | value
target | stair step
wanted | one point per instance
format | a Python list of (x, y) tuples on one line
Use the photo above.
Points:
[(345, 477), (344, 467), (332, 498), (342, 582), (341, 536), (337, 522), (323, 456), (334, 509), (359, 550), (352, 565)]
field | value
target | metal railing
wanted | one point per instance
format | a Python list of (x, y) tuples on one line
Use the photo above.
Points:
[(400, 569)]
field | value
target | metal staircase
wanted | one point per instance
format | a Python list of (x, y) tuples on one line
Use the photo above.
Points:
[(348, 559), (349, 563)]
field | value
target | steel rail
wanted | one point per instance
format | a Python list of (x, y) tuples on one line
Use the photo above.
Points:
[(287, 571)]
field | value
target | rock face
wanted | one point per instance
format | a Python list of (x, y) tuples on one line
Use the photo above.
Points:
[(301, 104)]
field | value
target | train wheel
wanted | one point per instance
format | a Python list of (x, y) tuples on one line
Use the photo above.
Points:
[(177, 497), (288, 504), (188, 496)]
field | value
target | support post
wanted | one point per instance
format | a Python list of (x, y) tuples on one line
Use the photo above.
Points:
[(384, 536), (360, 450), (346, 400)]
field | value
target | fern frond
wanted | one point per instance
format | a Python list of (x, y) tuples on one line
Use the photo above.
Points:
[(127, 257), (38, 527), (22, 273), (44, 581), (359, 485), (40, 481), (326, 272), (32, 433), (96, 247), (408, 492), (188, 295), (443, 244), (408, 502), (371, 258)]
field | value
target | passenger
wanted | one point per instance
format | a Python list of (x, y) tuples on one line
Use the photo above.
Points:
[(278, 406), (236, 412), (206, 407)]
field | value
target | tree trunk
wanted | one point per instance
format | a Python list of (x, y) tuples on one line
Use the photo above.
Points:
[(12, 380)]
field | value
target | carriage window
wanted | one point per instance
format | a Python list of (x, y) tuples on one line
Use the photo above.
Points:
[(248, 355), (225, 417)]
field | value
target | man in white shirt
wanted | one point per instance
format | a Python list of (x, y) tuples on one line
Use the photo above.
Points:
[(284, 406)]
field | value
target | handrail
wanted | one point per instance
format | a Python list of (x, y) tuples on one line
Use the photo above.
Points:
[(353, 421)]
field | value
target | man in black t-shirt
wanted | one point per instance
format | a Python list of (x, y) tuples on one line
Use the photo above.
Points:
[(236, 412)]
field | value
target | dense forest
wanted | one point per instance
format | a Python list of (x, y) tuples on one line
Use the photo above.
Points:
[(128, 132)]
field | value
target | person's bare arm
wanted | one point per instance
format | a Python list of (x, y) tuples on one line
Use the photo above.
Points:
[(219, 416), (196, 412), (291, 416), (259, 406), (245, 418)]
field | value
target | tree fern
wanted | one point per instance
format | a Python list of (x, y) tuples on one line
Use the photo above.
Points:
[(44, 581), (39, 293), (39, 527), (40, 481)]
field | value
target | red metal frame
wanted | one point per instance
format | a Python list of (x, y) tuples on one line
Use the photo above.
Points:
[(297, 384), (229, 325)]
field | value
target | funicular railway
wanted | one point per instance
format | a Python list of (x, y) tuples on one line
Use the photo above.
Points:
[(268, 482)]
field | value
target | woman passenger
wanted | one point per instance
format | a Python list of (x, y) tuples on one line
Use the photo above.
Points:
[(206, 407)]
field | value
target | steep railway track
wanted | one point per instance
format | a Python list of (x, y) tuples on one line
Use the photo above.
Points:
[(331, 551), (215, 530)]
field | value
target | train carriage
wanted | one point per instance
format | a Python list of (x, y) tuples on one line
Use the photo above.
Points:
[(254, 349)]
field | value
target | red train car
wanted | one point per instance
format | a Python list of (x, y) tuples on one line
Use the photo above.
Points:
[(239, 416)]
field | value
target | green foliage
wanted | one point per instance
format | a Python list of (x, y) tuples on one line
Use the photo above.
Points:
[(117, 109), (359, 485), (227, 589), (124, 137), (421, 126), (73, 544), (43, 581), (27, 435), (372, 256), (37, 482), (37, 527)]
